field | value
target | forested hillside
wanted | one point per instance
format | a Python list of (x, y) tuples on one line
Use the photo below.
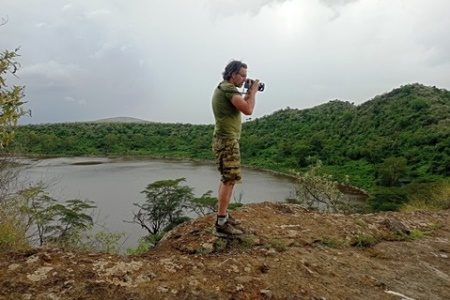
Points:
[(399, 137), (409, 126)]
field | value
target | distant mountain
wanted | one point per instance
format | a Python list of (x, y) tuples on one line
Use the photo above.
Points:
[(121, 120)]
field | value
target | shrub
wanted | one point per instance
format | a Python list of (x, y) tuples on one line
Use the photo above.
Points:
[(434, 196), (384, 199), (364, 241), (12, 230)]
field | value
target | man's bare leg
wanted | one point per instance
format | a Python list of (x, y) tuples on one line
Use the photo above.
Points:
[(224, 197)]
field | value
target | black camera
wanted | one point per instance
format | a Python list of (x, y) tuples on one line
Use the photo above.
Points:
[(249, 82)]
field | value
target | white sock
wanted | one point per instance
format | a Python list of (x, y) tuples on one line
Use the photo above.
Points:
[(221, 220)]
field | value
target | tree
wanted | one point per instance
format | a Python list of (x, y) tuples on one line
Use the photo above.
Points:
[(49, 220), (10, 98), (164, 205), (316, 190), (203, 205), (10, 111), (391, 171), (12, 231)]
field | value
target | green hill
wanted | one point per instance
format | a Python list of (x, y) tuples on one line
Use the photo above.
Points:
[(396, 138), (411, 122)]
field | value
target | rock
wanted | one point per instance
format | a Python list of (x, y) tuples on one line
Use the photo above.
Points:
[(244, 279), (264, 268), (207, 248), (13, 267), (234, 269), (39, 274), (68, 283), (118, 269), (292, 233), (396, 226), (193, 282), (46, 257), (267, 293), (52, 296), (162, 289), (127, 278), (32, 259), (271, 252), (239, 287)]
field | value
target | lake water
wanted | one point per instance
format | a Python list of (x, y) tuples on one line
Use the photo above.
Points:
[(115, 184)]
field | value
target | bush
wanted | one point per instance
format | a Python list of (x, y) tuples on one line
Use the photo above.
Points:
[(145, 244), (435, 196), (12, 231), (384, 199), (364, 241)]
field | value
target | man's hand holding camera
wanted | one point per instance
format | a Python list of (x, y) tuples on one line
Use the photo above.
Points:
[(253, 85)]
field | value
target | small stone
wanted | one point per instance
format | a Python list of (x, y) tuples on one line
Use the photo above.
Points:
[(52, 296), (244, 279), (292, 233), (207, 248), (32, 259), (239, 287), (235, 268), (266, 293), (46, 257), (13, 267), (68, 283), (443, 255), (193, 282), (247, 269), (264, 268), (162, 289), (39, 274)]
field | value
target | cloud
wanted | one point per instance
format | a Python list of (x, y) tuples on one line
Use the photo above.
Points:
[(237, 7), (51, 70), (160, 60), (334, 3), (97, 13), (78, 101)]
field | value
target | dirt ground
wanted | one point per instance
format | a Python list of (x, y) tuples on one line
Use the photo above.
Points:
[(286, 253)]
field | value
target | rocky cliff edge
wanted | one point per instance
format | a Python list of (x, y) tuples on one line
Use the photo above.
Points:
[(287, 253)]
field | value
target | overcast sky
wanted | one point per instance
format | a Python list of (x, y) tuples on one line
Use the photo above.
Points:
[(160, 60)]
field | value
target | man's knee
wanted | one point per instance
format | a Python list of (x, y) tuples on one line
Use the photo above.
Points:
[(229, 183)]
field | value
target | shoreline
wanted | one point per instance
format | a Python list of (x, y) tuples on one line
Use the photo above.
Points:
[(342, 186), (150, 157)]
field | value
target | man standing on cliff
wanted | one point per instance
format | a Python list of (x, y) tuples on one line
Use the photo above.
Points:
[(227, 104)]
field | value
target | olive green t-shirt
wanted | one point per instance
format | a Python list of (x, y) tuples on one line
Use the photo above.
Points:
[(228, 117)]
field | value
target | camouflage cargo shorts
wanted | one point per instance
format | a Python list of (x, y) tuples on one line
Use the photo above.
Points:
[(228, 158)]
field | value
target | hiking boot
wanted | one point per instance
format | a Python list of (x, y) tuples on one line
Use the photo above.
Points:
[(233, 221), (228, 229)]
